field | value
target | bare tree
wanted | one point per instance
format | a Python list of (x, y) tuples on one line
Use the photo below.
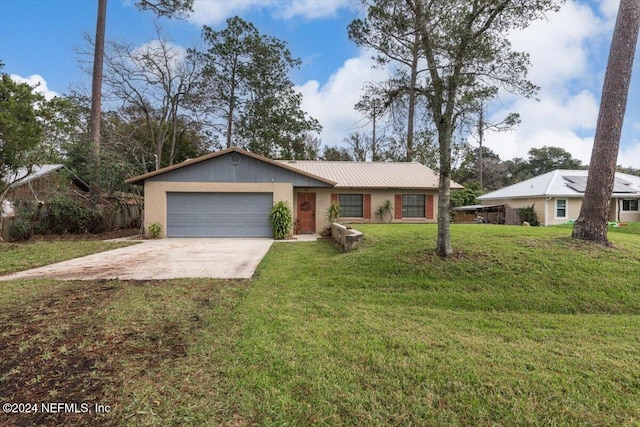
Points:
[(155, 80), (391, 30), (484, 125), (594, 213), (169, 8), (373, 105), (360, 145)]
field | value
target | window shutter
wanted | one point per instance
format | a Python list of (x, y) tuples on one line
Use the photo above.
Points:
[(334, 198), (366, 206), (398, 207), (429, 206)]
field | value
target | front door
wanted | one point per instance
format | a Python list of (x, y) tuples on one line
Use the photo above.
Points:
[(306, 213)]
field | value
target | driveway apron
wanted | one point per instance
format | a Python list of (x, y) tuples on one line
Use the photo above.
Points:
[(161, 259)]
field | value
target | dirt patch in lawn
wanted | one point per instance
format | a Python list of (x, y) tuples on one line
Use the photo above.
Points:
[(107, 343), (54, 350)]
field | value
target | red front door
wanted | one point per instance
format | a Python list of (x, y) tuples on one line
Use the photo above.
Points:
[(306, 213)]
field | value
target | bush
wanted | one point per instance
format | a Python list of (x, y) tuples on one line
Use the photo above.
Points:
[(66, 215), (333, 213), (281, 220), (155, 229), (20, 227), (385, 210), (529, 215)]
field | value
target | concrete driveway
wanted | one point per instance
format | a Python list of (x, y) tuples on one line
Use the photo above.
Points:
[(160, 260)]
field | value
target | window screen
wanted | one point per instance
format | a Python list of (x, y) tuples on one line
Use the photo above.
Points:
[(629, 205), (413, 206), (561, 208), (351, 205)]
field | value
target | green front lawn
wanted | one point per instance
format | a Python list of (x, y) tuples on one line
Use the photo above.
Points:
[(523, 326)]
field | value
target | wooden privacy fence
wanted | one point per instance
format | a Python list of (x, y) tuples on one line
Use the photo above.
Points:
[(490, 215), (121, 214), (512, 216)]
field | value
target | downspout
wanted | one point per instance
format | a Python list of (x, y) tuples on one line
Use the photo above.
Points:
[(548, 197), (546, 210)]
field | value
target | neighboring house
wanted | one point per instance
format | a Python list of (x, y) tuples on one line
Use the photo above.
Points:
[(230, 193), (557, 196), (43, 183)]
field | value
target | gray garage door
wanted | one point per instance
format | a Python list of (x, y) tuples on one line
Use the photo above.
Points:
[(218, 214)]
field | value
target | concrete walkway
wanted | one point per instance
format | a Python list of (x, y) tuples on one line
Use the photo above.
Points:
[(161, 259)]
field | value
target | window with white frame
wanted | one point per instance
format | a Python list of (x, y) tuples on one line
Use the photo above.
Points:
[(630, 205), (351, 205), (561, 208)]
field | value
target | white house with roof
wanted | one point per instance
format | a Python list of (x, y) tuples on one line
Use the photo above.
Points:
[(557, 196), (230, 193)]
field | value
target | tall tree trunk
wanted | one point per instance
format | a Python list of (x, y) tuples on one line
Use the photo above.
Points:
[(443, 246), (374, 147), (412, 99), (96, 85), (594, 214), (232, 106), (480, 141)]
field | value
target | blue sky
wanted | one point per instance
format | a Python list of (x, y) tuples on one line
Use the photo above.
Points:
[(38, 39)]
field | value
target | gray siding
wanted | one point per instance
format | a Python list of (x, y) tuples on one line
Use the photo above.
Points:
[(226, 168), (219, 214)]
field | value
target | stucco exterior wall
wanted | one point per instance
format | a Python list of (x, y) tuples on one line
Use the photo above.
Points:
[(546, 209), (628, 216), (323, 201), (619, 215), (155, 198)]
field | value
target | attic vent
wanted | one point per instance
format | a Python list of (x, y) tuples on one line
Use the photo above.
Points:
[(235, 159)]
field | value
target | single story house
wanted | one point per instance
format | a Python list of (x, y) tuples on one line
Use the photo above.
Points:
[(230, 193), (557, 196), (41, 183)]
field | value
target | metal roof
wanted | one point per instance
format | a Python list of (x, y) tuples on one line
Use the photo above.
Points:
[(563, 182), (398, 175), (38, 171), (371, 174)]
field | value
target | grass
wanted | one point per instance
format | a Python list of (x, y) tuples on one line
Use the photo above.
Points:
[(523, 326), (23, 256)]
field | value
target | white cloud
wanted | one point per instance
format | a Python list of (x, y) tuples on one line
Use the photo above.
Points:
[(38, 81), (563, 50), (162, 52), (517, 144), (609, 9), (558, 46), (332, 102), (630, 155), (311, 9), (214, 12)]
